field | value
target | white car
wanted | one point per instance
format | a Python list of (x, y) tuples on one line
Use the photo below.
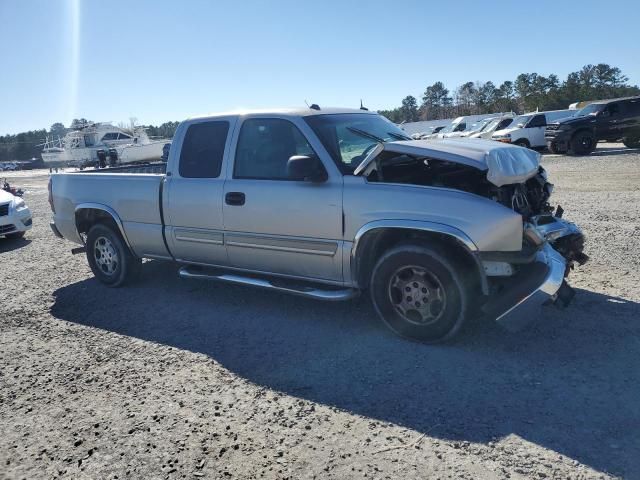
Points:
[(528, 130), (498, 123), (15, 217)]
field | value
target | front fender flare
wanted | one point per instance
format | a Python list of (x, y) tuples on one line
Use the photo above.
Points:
[(416, 225)]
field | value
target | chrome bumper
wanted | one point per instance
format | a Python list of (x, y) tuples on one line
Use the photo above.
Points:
[(542, 281), (527, 307)]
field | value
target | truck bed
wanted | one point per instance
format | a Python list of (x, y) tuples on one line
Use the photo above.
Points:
[(131, 194)]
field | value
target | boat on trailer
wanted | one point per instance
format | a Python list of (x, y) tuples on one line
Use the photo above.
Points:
[(102, 144)]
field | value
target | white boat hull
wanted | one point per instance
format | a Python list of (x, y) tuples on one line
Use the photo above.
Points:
[(128, 153)]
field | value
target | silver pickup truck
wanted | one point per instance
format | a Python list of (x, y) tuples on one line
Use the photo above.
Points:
[(330, 203)]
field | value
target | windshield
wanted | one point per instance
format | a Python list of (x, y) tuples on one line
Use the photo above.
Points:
[(521, 121), (349, 137), (481, 125), (449, 128), (491, 125), (592, 109)]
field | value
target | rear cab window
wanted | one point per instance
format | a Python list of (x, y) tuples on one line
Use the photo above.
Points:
[(203, 149)]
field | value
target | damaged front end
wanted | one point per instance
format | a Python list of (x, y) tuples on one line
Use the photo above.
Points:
[(520, 281), (557, 245)]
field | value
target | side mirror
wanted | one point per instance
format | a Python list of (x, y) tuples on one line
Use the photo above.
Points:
[(605, 113), (307, 168)]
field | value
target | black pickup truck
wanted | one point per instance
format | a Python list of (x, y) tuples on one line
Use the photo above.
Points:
[(612, 120)]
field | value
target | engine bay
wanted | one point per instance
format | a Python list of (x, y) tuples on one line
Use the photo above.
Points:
[(529, 198)]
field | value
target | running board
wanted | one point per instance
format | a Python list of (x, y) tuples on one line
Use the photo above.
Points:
[(302, 290)]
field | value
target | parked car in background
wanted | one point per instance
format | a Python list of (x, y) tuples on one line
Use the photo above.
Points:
[(15, 217), (610, 120), (330, 203), (498, 123), (528, 130)]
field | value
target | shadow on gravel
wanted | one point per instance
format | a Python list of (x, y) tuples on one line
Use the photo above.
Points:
[(569, 383), (8, 245)]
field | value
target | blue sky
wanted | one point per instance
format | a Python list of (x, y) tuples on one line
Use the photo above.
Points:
[(167, 60)]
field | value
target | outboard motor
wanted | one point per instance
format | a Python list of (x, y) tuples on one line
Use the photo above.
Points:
[(113, 157), (102, 158)]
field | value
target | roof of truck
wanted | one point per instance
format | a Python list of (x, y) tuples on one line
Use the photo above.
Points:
[(295, 112)]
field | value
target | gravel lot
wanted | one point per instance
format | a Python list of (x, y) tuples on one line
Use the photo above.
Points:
[(171, 378)]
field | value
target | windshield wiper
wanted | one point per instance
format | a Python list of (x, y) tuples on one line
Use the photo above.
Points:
[(368, 135), (397, 136)]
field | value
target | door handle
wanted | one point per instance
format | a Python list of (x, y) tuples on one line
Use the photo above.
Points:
[(234, 198)]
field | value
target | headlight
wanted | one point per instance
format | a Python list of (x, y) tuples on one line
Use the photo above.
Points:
[(499, 137), (18, 204)]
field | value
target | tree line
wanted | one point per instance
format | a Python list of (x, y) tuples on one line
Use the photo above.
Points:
[(527, 93), (28, 145)]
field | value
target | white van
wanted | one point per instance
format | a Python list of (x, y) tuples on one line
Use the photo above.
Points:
[(493, 125), (528, 130), (463, 126)]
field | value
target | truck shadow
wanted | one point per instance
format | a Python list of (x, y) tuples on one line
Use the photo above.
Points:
[(569, 383)]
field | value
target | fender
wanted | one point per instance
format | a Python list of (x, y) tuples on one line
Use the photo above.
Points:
[(425, 226), (112, 213)]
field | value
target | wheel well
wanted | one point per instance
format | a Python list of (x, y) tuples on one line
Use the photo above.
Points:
[(373, 245), (582, 130), (523, 141), (88, 217)]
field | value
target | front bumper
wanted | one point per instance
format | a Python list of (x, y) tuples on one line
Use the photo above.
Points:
[(15, 222), (541, 281)]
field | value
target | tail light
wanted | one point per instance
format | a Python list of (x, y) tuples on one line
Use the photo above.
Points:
[(53, 209)]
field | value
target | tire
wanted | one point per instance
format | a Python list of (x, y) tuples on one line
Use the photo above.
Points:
[(583, 143), (631, 142), (439, 299), (522, 143), (15, 236), (110, 259), (553, 148)]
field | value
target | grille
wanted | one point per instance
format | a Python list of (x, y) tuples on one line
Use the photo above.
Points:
[(553, 127), (6, 229), (4, 210)]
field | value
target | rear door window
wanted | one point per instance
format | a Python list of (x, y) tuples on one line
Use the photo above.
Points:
[(203, 150)]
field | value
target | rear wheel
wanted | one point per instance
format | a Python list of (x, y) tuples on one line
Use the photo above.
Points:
[(583, 143), (110, 259), (631, 142), (418, 294)]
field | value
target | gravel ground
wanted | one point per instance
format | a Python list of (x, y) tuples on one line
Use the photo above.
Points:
[(171, 378)]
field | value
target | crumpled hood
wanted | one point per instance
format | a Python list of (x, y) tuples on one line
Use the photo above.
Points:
[(505, 164)]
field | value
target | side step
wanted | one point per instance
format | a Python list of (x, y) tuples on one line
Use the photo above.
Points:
[(286, 286)]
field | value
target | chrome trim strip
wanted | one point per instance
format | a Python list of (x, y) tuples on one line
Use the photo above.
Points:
[(198, 236), (283, 244), (309, 292)]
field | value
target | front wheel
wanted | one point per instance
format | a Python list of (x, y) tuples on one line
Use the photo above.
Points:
[(583, 143), (418, 294), (522, 143), (110, 259)]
